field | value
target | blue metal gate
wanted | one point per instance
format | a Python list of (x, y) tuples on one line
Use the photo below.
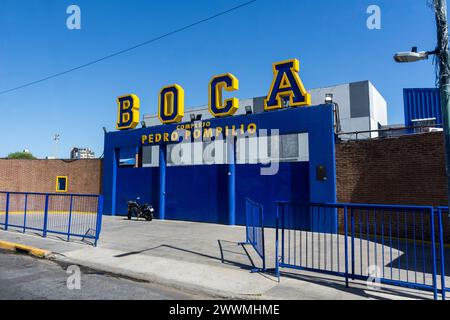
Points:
[(69, 215), (443, 217), (254, 230), (387, 243)]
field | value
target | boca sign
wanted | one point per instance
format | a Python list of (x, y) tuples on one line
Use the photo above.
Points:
[(286, 83)]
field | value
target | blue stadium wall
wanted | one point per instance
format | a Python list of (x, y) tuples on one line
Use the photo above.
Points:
[(201, 192), (205, 198)]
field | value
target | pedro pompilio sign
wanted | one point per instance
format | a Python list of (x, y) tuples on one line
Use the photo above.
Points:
[(286, 83)]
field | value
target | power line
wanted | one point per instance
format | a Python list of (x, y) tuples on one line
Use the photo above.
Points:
[(128, 49)]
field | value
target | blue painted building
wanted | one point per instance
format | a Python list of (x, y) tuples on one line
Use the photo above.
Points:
[(143, 163)]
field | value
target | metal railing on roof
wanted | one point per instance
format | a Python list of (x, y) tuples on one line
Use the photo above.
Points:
[(368, 133)]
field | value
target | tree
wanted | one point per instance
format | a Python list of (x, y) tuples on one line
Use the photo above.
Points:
[(21, 155)]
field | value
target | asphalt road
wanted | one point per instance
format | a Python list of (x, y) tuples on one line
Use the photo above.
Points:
[(25, 277)]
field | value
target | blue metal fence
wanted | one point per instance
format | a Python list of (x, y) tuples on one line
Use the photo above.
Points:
[(68, 215), (394, 245), (305, 249), (254, 229), (443, 218)]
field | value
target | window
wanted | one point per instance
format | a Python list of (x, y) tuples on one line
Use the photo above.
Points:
[(283, 148), (127, 157), (61, 184), (150, 156)]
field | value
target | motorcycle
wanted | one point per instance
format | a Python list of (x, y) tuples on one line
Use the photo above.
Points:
[(145, 211)]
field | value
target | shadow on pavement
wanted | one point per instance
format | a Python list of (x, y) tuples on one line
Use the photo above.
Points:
[(222, 258), (354, 288)]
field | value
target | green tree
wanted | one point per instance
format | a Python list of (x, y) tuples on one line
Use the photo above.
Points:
[(21, 155)]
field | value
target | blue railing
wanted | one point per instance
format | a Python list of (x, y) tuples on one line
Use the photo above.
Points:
[(387, 244), (254, 230), (443, 217), (69, 215), (306, 243)]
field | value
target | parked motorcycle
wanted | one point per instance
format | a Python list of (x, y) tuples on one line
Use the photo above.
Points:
[(145, 211)]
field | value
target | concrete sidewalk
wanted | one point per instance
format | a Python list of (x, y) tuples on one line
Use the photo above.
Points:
[(198, 256)]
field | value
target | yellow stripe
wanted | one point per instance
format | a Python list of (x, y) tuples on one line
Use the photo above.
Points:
[(20, 247)]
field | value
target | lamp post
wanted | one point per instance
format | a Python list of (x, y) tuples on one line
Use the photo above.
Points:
[(440, 8)]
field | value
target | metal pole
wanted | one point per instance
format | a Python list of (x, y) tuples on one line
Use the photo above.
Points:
[(433, 254), (277, 269), (162, 181), (442, 252), (25, 213), (98, 227), (346, 244), (7, 211), (44, 228), (440, 7), (261, 212), (115, 163), (231, 179), (70, 218)]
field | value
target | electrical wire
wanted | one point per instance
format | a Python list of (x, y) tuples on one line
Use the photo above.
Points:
[(128, 49)]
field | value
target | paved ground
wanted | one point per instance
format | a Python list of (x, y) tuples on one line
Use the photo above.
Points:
[(202, 257), (25, 277)]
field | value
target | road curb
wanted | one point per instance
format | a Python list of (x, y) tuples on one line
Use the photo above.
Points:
[(156, 279), (17, 247)]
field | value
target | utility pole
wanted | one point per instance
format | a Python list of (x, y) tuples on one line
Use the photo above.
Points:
[(440, 8)]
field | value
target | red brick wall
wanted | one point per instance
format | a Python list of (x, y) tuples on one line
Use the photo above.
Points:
[(84, 176), (403, 170), (406, 170)]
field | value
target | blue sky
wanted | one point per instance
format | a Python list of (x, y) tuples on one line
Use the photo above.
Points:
[(329, 37)]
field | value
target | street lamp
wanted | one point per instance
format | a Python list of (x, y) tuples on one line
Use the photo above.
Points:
[(443, 61), (413, 55)]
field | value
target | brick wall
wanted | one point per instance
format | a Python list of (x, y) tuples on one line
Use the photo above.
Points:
[(403, 170), (84, 176), (407, 170)]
